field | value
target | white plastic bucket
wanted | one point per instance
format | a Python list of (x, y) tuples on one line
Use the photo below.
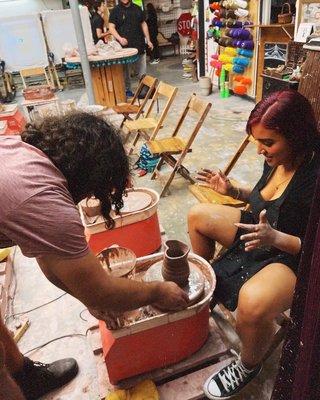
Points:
[(205, 85)]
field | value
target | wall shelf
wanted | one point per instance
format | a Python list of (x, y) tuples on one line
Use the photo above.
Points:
[(275, 26), (270, 26), (273, 33)]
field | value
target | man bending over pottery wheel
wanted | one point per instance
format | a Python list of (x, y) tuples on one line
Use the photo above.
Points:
[(59, 162)]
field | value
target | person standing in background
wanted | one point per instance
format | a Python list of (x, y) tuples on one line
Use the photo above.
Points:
[(99, 9), (128, 26), (152, 22)]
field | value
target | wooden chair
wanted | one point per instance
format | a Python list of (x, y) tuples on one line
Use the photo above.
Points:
[(148, 126), (37, 71), (168, 147), (136, 106), (207, 195), (30, 105)]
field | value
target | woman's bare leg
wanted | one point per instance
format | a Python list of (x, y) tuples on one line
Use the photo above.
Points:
[(209, 223), (261, 299)]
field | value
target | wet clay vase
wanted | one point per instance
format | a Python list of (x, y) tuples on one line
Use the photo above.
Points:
[(175, 265)]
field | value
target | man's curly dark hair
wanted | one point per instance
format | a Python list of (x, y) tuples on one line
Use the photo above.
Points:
[(89, 153)]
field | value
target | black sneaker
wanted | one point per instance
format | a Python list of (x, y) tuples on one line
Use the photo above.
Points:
[(37, 379), (229, 381)]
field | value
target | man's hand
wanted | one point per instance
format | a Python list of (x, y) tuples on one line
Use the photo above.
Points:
[(171, 297), (261, 234), (86, 280), (150, 45), (123, 41)]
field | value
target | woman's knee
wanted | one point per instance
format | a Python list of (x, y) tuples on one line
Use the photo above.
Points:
[(214, 221), (253, 307), (197, 215), (203, 212)]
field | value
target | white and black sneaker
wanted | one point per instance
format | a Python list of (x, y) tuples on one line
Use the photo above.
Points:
[(229, 381)]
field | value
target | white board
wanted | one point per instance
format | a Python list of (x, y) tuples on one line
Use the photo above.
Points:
[(59, 30), (22, 43)]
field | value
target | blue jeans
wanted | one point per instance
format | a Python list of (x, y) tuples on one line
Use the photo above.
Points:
[(141, 67)]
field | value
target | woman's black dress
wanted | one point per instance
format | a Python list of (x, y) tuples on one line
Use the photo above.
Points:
[(289, 214)]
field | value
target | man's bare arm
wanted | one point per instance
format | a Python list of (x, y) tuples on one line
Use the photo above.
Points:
[(86, 280), (112, 29)]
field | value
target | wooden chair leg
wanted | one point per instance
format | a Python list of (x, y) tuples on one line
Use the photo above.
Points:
[(123, 121), (277, 338), (166, 186), (228, 315), (134, 142), (126, 138), (125, 118), (157, 168)]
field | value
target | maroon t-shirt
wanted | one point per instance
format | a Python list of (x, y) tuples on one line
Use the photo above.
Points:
[(37, 211)]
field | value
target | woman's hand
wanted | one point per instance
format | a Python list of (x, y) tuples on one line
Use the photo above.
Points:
[(261, 234), (150, 45), (215, 180)]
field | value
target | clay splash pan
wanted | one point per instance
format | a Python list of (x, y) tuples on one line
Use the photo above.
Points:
[(140, 203), (149, 317)]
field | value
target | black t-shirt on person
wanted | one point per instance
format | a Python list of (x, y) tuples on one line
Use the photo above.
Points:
[(97, 22), (127, 21)]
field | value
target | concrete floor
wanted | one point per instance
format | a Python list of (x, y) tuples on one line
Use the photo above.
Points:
[(218, 139)]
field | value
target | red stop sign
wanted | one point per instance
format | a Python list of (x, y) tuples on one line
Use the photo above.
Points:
[(184, 24)]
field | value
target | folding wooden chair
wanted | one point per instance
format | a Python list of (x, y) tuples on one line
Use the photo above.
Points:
[(149, 123), (206, 195), (47, 106), (168, 147), (135, 106), (37, 71)]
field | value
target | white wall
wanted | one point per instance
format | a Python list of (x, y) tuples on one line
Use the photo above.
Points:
[(9, 8)]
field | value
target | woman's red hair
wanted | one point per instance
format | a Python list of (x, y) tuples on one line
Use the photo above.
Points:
[(291, 114)]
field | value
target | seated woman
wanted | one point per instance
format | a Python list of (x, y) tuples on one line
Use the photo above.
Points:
[(257, 273)]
